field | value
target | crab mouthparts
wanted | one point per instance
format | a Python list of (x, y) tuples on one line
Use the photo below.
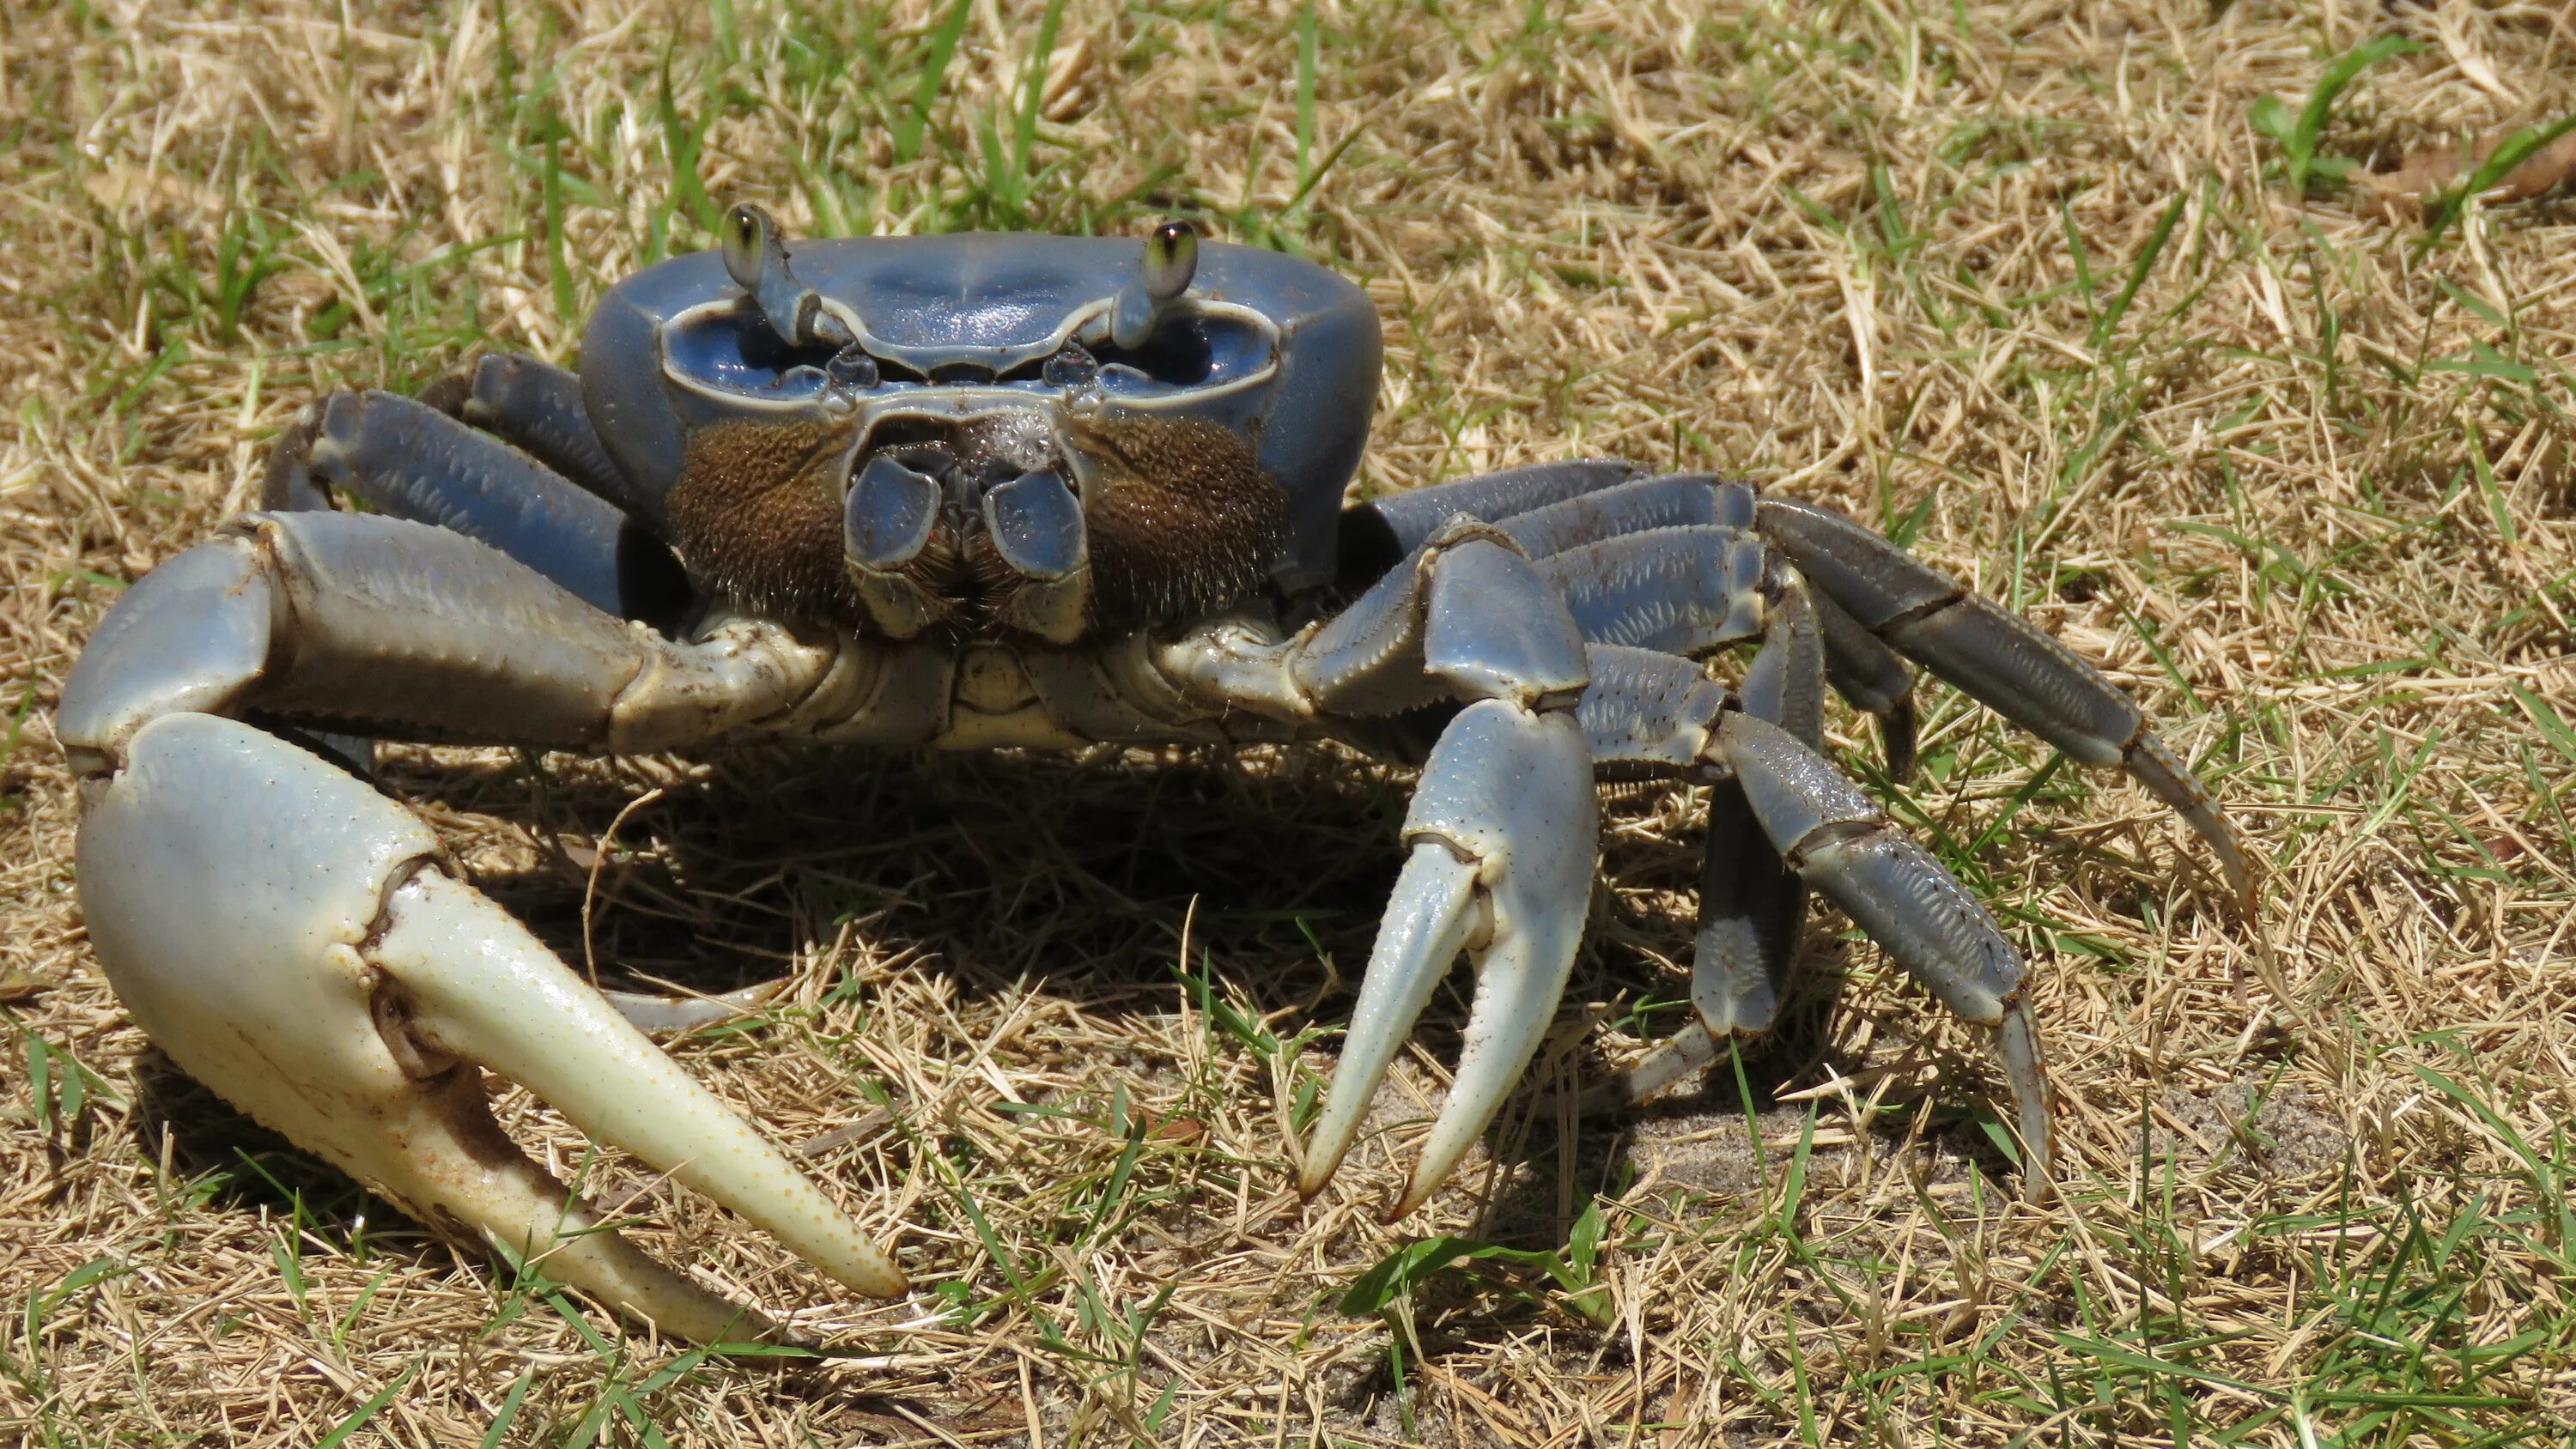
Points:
[(964, 525)]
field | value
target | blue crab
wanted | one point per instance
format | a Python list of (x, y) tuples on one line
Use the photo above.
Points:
[(972, 491)]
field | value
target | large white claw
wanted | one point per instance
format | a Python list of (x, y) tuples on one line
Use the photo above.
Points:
[(284, 933), (1504, 828)]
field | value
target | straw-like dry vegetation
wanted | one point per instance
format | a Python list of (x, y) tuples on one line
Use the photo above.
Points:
[(2083, 301)]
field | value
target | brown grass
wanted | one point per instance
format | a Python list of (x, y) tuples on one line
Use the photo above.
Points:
[(2308, 495)]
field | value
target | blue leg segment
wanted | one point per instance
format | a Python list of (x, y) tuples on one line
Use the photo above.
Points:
[(1682, 591), (1574, 516), (1751, 904), (402, 457), (536, 407), (1676, 500)]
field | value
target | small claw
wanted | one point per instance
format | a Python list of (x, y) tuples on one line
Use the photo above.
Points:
[(1427, 923), (1503, 829), (281, 931)]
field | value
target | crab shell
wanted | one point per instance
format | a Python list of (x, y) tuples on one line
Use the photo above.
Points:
[(1268, 348)]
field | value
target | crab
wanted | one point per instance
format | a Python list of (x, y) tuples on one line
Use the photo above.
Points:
[(970, 492)]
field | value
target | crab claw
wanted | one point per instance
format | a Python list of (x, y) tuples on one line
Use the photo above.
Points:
[(1503, 830), (287, 936)]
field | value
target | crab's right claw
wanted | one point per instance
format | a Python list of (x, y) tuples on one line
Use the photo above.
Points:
[(287, 935), (1503, 832)]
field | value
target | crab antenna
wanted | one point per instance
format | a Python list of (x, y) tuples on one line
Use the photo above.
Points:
[(755, 256), (1171, 259)]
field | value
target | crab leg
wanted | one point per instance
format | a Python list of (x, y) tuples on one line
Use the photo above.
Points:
[(1624, 594), (1874, 678), (1996, 658), (1751, 905), (1402, 521), (1671, 500), (405, 458), (1652, 709), (289, 936), (1842, 844), (1503, 830), (1679, 591), (536, 407)]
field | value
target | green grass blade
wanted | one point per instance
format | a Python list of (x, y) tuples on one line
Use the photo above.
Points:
[(915, 122)]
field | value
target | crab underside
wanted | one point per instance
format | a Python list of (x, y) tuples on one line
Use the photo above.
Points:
[(963, 493)]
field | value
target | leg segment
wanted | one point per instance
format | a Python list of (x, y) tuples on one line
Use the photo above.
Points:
[(1838, 841), (1673, 500), (358, 620), (406, 459), (1682, 591), (1996, 658), (1751, 905), (1682, 595), (537, 408), (1874, 679), (1780, 819), (1385, 529)]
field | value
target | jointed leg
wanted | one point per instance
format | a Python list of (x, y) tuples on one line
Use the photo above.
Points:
[(1842, 844), (1751, 905), (1663, 562), (407, 459), (1818, 830), (537, 408), (1995, 657)]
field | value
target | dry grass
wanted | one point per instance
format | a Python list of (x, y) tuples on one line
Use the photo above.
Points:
[(2307, 491)]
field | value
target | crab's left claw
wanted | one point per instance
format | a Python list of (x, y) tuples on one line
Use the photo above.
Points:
[(1503, 831), (290, 938)]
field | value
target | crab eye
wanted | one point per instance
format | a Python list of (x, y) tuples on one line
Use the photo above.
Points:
[(746, 233), (1171, 259)]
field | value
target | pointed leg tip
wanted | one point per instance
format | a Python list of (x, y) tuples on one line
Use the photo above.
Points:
[(1416, 1193), (1897, 730), (2240, 877), (1316, 1174), (883, 1281)]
